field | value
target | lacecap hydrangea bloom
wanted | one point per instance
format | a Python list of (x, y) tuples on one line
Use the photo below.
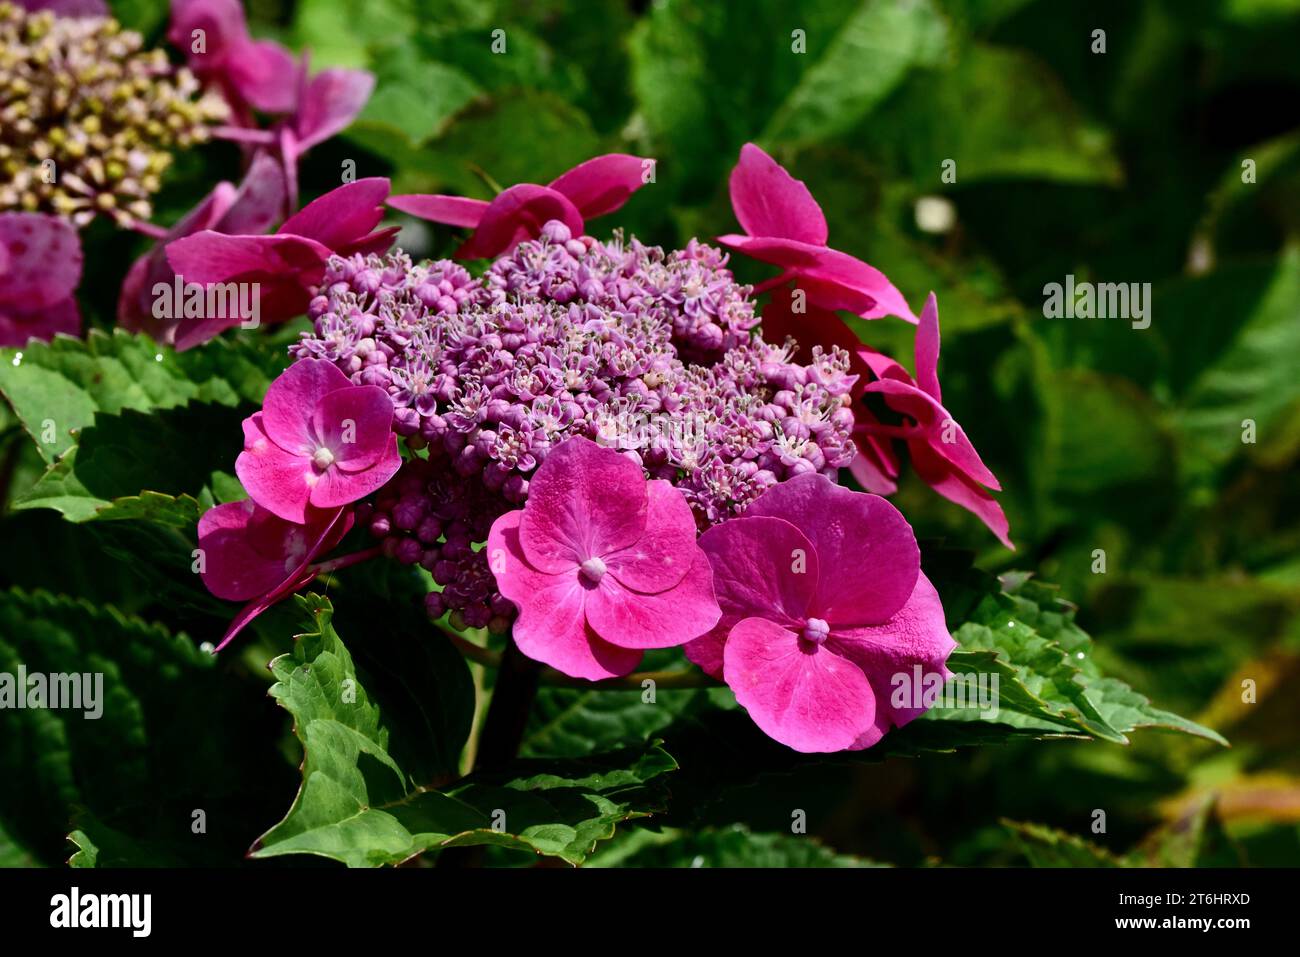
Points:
[(567, 336), (592, 444)]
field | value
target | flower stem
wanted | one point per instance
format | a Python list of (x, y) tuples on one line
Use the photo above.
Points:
[(343, 561), (507, 716)]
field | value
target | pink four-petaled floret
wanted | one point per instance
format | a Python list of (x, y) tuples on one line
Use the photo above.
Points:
[(319, 441), (602, 564), (823, 605)]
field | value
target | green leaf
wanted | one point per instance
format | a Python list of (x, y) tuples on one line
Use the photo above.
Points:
[(1237, 334), (154, 466), (56, 388), (523, 137), (87, 854), (1049, 847), (835, 93), (574, 722), (1040, 606), (700, 97), (998, 113), (166, 734), (413, 96), (735, 846), (1195, 839), (11, 855), (358, 806)]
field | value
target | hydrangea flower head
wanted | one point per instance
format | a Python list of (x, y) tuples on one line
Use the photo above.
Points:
[(250, 554), (593, 188), (319, 441), (784, 226), (601, 563), (938, 447), (81, 97), (40, 266), (823, 603)]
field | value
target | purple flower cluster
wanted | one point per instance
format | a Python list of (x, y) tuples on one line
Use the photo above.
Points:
[(648, 352)]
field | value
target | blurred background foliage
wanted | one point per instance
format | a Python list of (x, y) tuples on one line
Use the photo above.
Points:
[(1122, 166)]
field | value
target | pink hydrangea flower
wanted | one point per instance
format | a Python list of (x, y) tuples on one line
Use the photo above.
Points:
[(939, 450), (252, 208), (288, 265), (784, 226), (319, 441), (823, 604), (601, 564), (326, 104), (248, 72), (253, 555), (40, 266), (591, 189)]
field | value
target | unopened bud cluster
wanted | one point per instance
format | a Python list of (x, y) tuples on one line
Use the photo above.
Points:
[(88, 118)]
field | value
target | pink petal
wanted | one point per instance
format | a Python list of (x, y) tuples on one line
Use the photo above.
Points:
[(258, 204), (706, 651), (764, 566), (17, 327), (866, 551), (661, 557), (517, 214), (291, 400), (602, 184), (916, 635), (941, 475), (806, 697), (768, 201), (832, 279), (669, 618), (43, 260), (210, 257), (942, 432), (342, 215), (354, 423), (223, 26), (927, 349), (551, 627), (336, 486), (813, 327), (248, 551), (332, 531), (585, 501), (256, 70), (68, 8), (375, 244), (761, 567), (332, 101), (876, 465), (452, 210), (277, 480)]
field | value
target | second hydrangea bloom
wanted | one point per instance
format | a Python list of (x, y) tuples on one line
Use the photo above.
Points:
[(602, 564), (823, 606)]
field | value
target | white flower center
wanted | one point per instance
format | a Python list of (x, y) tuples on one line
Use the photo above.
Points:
[(593, 569), (323, 458), (816, 630)]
